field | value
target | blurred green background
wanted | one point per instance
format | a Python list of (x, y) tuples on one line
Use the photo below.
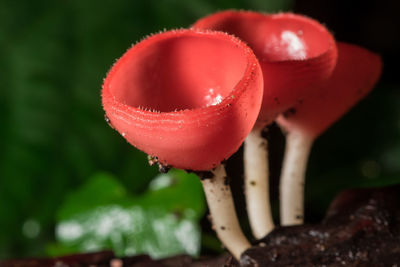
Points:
[(69, 183)]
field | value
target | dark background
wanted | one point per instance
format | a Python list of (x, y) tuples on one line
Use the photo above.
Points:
[(53, 138)]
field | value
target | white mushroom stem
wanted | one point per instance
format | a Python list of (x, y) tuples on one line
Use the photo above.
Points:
[(256, 182), (292, 181), (223, 214)]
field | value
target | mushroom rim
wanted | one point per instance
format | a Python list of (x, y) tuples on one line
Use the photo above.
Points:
[(248, 75), (300, 17)]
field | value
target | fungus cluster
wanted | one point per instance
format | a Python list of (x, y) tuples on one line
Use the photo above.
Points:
[(189, 98)]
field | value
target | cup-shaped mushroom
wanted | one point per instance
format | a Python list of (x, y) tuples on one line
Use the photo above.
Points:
[(296, 54), (187, 97), (355, 75)]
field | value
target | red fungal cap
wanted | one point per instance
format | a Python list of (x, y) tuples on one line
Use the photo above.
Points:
[(356, 73), (189, 97), (296, 54)]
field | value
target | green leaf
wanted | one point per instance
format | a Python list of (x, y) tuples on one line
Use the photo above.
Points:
[(100, 190), (183, 191), (163, 221)]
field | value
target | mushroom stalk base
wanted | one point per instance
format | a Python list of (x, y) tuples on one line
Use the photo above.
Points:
[(223, 214), (292, 181), (257, 184)]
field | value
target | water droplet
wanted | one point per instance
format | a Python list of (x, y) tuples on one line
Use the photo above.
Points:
[(212, 98)]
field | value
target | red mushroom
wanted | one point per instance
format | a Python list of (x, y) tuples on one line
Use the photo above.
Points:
[(296, 55), (189, 98), (356, 73)]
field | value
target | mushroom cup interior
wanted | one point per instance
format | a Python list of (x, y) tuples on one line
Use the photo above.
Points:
[(294, 38), (280, 37), (178, 72)]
